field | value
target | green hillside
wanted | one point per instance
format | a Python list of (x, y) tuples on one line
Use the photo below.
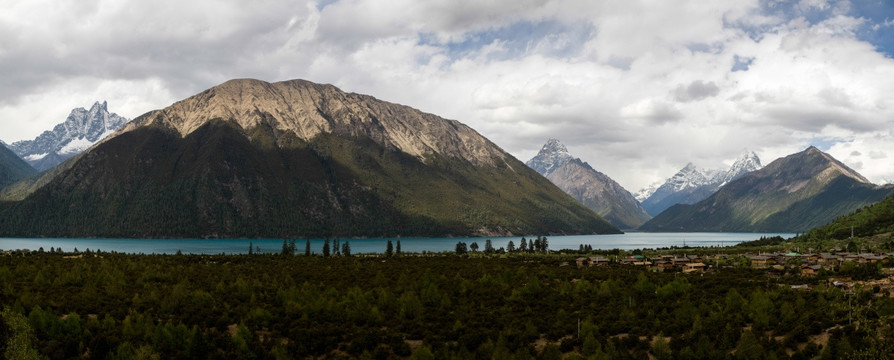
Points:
[(867, 221), (12, 168)]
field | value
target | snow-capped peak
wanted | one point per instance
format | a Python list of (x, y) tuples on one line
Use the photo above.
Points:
[(552, 155), (746, 163), (690, 176), (79, 131), (647, 191)]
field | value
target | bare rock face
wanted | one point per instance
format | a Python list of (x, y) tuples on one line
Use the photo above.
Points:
[(308, 109)]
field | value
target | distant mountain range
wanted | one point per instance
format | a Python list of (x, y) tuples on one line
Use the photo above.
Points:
[(249, 158), (792, 194), (79, 131), (691, 184), (12, 168), (592, 188)]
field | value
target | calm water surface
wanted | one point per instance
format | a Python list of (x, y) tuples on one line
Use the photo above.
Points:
[(628, 241)]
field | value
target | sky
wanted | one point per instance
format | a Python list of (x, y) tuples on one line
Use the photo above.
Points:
[(637, 88)]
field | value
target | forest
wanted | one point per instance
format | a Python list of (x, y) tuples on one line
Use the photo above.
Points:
[(101, 305)]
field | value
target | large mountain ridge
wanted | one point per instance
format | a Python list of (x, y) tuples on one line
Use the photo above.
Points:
[(590, 187), (792, 194), (80, 130), (291, 159), (307, 109)]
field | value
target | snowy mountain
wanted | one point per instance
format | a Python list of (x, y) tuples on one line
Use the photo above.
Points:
[(691, 184), (792, 194), (592, 188), (552, 155), (81, 130)]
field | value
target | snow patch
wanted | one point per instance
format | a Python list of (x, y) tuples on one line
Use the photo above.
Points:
[(35, 157), (76, 146)]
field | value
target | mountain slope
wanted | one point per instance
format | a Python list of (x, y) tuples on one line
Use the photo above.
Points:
[(691, 184), (592, 188), (79, 131), (254, 159), (12, 168), (791, 194), (868, 221)]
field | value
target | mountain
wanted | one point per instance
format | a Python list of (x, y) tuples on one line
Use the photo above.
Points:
[(691, 184), (12, 168), (79, 131), (592, 188), (249, 158), (792, 194)]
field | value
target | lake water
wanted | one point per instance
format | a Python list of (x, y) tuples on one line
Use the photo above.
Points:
[(628, 241)]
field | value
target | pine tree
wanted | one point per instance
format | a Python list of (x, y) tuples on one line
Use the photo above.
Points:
[(544, 245), (346, 248), (389, 249), (488, 247), (307, 247), (292, 248), (397, 250), (510, 247), (524, 245), (474, 247), (326, 247), (250, 247), (335, 246), (461, 248), (285, 248)]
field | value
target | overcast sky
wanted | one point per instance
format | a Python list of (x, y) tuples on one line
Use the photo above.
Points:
[(636, 88)]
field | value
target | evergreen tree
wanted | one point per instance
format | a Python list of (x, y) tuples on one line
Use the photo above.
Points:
[(397, 250), (307, 247), (474, 247), (326, 247), (488, 247), (544, 245), (346, 248), (461, 248), (524, 245), (292, 248), (250, 247), (536, 247), (335, 246), (285, 247), (510, 247), (389, 249)]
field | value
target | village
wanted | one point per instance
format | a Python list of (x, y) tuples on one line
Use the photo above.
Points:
[(834, 266)]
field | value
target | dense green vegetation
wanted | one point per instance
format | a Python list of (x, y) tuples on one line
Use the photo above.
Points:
[(221, 182), (867, 221), (12, 168), (111, 306)]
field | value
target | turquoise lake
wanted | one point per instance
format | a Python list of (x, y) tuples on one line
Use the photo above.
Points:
[(628, 241)]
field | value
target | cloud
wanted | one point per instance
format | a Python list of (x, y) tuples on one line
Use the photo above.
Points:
[(696, 90), (636, 88)]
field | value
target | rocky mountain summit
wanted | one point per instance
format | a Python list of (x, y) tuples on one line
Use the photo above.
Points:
[(592, 188), (249, 158), (77, 133), (692, 184), (307, 109)]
